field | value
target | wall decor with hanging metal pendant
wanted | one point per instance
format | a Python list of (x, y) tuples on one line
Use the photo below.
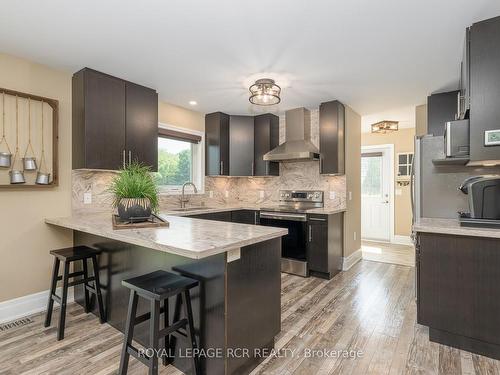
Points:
[(24, 124)]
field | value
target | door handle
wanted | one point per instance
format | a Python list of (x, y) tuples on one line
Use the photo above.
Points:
[(129, 157), (385, 202)]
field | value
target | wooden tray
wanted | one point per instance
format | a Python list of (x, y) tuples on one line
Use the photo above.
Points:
[(155, 222)]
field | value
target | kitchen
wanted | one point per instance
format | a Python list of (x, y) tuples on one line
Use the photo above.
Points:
[(249, 229)]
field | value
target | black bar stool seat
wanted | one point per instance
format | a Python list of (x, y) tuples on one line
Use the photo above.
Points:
[(67, 256), (157, 287)]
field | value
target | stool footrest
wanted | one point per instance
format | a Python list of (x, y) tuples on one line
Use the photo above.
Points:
[(142, 318), (145, 359), (56, 298), (78, 282), (73, 274), (173, 328)]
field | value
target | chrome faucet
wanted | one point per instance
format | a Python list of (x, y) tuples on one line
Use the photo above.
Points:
[(184, 200)]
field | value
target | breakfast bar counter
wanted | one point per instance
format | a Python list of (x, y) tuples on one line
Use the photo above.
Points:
[(236, 307)]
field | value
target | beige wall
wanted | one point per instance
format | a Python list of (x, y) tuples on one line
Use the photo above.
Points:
[(181, 117), (403, 142), (25, 240), (421, 119), (352, 227)]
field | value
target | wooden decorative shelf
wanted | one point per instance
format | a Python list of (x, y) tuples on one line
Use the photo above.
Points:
[(52, 142)]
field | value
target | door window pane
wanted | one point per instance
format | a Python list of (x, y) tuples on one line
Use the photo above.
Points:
[(371, 176)]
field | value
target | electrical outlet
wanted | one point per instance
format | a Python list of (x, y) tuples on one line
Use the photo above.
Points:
[(226, 194), (261, 194), (211, 193), (333, 195), (399, 192), (87, 198)]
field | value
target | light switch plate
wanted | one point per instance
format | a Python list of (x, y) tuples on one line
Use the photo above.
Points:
[(399, 192), (87, 198), (333, 195), (226, 194), (350, 195), (211, 193), (261, 194)]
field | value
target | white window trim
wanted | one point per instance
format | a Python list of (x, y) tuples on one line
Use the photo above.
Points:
[(198, 161)]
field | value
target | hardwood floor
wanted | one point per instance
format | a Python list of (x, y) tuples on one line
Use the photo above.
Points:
[(403, 255), (369, 308)]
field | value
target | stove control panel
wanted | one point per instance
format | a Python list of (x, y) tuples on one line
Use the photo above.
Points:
[(301, 196)]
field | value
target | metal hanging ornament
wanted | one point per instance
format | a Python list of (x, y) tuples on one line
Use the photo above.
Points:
[(5, 157), (42, 175), (16, 175), (29, 162)]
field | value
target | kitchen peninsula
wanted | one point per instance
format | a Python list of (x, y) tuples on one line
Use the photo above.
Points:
[(238, 266)]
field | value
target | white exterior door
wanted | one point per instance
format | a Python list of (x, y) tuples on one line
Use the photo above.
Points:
[(375, 193)]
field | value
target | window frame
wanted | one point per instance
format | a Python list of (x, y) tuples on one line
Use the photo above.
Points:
[(198, 162)]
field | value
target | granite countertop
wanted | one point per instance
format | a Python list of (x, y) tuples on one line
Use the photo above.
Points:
[(452, 226), (206, 210), (188, 237)]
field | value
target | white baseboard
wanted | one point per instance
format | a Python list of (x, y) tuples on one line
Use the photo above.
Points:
[(402, 240), (28, 305), (351, 260)]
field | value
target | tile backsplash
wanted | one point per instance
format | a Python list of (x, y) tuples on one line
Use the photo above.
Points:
[(251, 191)]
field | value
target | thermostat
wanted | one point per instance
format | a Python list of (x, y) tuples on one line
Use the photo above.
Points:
[(492, 137)]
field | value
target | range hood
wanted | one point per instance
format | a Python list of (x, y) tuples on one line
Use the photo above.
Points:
[(297, 145)]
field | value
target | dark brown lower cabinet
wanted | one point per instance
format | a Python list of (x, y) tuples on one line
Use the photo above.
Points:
[(324, 244), (458, 291)]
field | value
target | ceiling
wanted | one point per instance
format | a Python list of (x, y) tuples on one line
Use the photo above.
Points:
[(371, 55)]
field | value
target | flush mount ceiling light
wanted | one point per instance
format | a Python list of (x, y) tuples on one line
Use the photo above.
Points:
[(385, 126), (265, 92), (193, 102)]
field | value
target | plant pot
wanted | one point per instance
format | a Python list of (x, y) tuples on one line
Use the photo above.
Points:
[(134, 208), (16, 177), (29, 164), (5, 159), (42, 178)]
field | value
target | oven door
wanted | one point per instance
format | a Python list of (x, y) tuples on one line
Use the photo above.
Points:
[(294, 244)]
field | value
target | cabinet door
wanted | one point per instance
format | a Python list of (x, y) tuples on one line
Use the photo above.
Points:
[(485, 87), (331, 137), (266, 137), (317, 245), (245, 217), (142, 125), (446, 283), (217, 144), (241, 146), (441, 108), (104, 121), (216, 216)]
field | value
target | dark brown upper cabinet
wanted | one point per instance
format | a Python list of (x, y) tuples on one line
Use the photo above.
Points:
[(331, 137), (266, 137), (484, 90), (241, 144), (441, 108), (217, 144), (234, 145), (114, 122)]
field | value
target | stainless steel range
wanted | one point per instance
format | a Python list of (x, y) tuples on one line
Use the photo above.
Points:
[(291, 213)]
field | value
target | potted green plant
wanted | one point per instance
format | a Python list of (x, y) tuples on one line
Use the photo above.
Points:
[(135, 192)]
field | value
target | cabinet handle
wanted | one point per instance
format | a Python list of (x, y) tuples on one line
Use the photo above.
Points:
[(255, 218), (129, 157), (123, 159), (221, 167), (310, 233), (267, 168), (316, 219), (320, 164)]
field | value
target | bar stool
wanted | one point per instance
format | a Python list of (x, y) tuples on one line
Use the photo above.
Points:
[(67, 256), (157, 287)]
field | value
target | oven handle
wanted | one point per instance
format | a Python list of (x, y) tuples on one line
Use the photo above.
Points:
[(283, 216)]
